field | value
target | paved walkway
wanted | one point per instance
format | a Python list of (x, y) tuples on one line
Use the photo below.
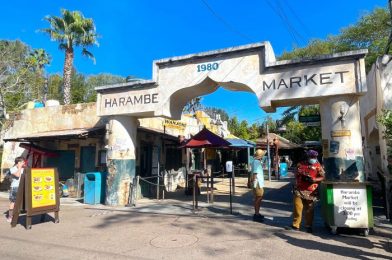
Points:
[(170, 229)]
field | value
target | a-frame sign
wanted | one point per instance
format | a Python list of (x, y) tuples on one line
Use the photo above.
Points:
[(38, 194)]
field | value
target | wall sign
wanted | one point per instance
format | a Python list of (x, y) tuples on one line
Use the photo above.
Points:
[(334, 146), (340, 133), (207, 67), (174, 124)]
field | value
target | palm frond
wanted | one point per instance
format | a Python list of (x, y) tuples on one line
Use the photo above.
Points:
[(88, 54)]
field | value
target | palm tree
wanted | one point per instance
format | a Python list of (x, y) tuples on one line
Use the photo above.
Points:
[(71, 30), (38, 59)]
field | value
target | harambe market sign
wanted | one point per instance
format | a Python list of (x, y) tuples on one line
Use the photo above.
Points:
[(250, 68)]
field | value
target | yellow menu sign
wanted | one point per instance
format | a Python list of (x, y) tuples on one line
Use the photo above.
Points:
[(43, 192)]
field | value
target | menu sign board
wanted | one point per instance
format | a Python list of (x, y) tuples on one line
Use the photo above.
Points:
[(38, 194), (42, 188)]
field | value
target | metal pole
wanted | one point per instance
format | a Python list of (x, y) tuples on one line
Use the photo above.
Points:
[(268, 154), (194, 191), (212, 188), (231, 197), (158, 183), (233, 177), (137, 188)]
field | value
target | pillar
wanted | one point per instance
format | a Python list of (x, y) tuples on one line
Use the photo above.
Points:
[(121, 158), (342, 139)]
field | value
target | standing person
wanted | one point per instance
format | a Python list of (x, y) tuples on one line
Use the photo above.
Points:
[(16, 172), (308, 176), (258, 182)]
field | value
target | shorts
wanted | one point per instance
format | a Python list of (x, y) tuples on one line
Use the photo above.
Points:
[(13, 192), (258, 192)]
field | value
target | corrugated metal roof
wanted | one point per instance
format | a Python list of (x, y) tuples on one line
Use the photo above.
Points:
[(57, 134)]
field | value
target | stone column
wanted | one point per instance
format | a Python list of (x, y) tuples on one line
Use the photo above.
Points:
[(342, 139), (121, 158)]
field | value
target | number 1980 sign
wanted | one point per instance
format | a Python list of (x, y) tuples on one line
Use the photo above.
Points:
[(207, 67)]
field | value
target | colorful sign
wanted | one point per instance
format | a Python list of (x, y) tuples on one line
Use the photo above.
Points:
[(43, 191), (174, 124), (340, 133)]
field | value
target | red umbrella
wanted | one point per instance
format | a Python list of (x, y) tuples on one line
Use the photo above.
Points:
[(206, 138)]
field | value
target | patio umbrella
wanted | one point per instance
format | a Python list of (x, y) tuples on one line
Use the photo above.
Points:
[(206, 139)]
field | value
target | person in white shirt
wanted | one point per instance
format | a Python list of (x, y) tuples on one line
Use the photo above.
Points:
[(16, 172)]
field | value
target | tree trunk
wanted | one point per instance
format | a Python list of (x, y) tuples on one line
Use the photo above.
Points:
[(67, 75)]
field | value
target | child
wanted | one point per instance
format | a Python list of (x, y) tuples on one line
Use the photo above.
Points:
[(16, 171)]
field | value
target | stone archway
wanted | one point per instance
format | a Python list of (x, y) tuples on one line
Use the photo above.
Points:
[(334, 81)]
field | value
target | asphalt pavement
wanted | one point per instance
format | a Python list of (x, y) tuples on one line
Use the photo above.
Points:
[(173, 229)]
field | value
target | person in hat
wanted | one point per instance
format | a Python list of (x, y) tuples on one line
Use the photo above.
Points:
[(258, 182), (308, 175)]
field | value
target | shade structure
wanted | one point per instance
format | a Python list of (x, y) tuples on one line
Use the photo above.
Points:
[(206, 138), (240, 143)]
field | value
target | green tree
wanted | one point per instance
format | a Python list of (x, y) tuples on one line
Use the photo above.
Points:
[(212, 111), (15, 75), (55, 83), (71, 30), (193, 105), (38, 59), (102, 79), (370, 32)]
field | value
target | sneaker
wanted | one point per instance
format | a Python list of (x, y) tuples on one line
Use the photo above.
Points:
[(258, 218), (291, 228)]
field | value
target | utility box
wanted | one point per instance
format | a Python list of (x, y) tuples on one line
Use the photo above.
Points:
[(347, 205), (94, 187)]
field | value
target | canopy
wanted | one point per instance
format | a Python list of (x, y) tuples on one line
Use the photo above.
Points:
[(206, 138), (240, 143)]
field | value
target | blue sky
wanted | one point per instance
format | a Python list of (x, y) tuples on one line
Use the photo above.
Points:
[(136, 32)]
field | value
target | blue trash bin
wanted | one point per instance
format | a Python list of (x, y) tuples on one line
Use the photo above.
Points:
[(94, 187), (283, 168)]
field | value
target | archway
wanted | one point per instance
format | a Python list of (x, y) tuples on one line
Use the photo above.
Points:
[(334, 81)]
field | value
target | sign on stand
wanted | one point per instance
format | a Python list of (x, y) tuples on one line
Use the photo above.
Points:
[(39, 193), (350, 206)]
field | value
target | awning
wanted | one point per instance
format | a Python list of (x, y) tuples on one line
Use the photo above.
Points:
[(240, 143), (80, 133)]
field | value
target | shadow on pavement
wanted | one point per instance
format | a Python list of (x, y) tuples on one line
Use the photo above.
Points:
[(349, 252)]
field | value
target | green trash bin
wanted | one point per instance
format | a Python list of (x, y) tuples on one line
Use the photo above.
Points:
[(347, 205)]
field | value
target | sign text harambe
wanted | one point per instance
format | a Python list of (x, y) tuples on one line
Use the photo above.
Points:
[(131, 100)]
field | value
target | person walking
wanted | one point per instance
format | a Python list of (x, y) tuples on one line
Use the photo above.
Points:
[(258, 182), (308, 175), (15, 172)]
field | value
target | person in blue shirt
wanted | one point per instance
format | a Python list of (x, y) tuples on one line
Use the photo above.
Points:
[(258, 182)]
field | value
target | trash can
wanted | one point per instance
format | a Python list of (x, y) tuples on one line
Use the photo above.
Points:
[(283, 169), (94, 187)]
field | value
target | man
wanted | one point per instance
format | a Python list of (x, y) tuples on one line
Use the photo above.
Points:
[(258, 182), (16, 172), (308, 176)]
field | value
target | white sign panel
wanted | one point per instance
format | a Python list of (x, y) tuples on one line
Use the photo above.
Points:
[(350, 206), (229, 166)]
